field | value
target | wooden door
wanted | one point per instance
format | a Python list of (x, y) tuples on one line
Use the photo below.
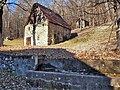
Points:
[(28, 41)]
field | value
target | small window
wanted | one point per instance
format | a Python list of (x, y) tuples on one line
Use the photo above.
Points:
[(29, 28), (38, 37)]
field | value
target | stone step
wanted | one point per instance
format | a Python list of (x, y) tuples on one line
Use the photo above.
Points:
[(40, 84), (68, 82), (76, 88), (74, 79), (48, 84), (36, 88)]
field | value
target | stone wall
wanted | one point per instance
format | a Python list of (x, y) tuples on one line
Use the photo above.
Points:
[(99, 67), (68, 66), (72, 74), (20, 64), (17, 64), (57, 33), (65, 81), (41, 34)]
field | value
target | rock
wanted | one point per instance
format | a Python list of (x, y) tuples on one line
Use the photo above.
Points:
[(10, 81)]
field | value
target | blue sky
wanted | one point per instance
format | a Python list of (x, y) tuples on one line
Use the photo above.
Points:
[(13, 6), (11, 0), (36, 0)]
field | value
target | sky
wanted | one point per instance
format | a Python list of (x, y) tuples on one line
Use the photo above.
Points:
[(36, 0), (11, 0), (12, 7)]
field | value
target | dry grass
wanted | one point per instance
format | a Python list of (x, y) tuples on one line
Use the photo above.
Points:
[(90, 39), (94, 38), (15, 42), (94, 43), (91, 43)]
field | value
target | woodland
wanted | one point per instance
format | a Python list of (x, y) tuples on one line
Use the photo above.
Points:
[(13, 15), (93, 48)]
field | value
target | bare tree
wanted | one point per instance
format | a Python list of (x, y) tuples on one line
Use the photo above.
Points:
[(13, 18), (2, 3), (113, 5), (97, 12), (117, 19)]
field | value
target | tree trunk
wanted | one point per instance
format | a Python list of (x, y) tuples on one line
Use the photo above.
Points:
[(34, 41), (34, 28), (116, 11), (118, 39), (1, 12)]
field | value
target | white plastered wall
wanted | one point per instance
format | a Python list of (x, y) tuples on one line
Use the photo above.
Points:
[(41, 34), (28, 33)]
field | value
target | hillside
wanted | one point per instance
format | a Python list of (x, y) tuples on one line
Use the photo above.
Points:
[(92, 39), (92, 43)]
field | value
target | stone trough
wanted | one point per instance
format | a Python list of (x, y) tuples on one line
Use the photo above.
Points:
[(72, 81), (63, 74)]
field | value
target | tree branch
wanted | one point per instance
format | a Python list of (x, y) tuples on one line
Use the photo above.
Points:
[(17, 5), (118, 1), (98, 13), (98, 3)]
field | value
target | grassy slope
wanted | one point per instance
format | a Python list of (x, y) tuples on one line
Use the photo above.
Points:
[(16, 42), (92, 39), (89, 44), (94, 43)]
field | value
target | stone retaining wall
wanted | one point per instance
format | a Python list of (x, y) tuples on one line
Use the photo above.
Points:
[(77, 73), (17, 64), (60, 81), (86, 66)]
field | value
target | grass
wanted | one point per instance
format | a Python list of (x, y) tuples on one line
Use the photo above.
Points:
[(88, 45), (15, 42), (92, 43), (93, 38)]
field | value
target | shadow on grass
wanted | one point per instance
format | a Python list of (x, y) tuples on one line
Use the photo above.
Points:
[(73, 35)]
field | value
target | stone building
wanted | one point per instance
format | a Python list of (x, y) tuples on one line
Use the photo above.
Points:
[(81, 23), (45, 27)]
